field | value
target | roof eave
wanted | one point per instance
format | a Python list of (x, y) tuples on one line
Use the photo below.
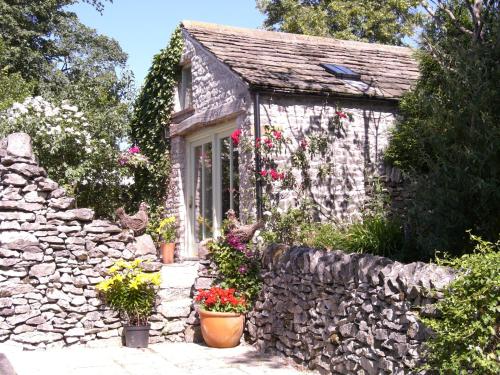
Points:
[(334, 94)]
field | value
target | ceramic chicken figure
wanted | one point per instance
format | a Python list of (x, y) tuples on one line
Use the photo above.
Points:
[(243, 232), (137, 222)]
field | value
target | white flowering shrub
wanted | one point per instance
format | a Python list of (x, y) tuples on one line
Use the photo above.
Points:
[(79, 156)]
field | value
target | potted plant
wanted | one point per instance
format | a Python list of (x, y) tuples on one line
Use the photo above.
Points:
[(132, 292), (221, 313), (167, 230)]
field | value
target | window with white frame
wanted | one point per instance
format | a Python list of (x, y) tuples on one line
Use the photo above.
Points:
[(186, 88)]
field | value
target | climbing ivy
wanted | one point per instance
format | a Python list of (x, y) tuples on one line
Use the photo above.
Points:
[(152, 111)]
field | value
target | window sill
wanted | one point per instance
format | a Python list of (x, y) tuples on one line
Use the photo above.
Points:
[(181, 115)]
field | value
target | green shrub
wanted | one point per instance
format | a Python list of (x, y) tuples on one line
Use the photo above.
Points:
[(375, 235), (467, 330), (291, 227), (237, 265), (130, 291), (325, 236)]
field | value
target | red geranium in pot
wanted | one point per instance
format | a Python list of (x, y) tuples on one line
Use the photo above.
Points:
[(222, 316)]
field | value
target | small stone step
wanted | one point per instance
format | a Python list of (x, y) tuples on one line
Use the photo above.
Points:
[(179, 275)]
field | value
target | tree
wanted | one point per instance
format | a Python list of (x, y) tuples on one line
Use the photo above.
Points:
[(386, 21), (12, 86), (449, 140), (46, 45)]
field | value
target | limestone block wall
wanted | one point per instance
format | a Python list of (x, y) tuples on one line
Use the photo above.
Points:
[(344, 313), (355, 152), (51, 257), (214, 84)]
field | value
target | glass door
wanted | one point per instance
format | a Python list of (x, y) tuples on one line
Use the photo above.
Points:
[(213, 187), (203, 192)]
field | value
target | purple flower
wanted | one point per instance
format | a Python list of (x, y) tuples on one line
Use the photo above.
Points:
[(235, 242), (243, 269)]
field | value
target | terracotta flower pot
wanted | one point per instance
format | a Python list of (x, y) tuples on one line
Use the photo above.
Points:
[(221, 329), (167, 252)]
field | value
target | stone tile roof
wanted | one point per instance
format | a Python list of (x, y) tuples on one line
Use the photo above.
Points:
[(290, 62)]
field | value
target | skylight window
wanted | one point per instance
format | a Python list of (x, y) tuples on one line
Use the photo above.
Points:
[(340, 71)]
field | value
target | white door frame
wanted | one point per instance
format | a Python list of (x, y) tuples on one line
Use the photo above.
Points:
[(212, 134)]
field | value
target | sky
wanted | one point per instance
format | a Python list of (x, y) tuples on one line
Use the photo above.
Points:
[(143, 27)]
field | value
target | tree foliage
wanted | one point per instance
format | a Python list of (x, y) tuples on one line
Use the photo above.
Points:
[(449, 140), (48, 52), (13, 88), (150, 120), (386, 21)]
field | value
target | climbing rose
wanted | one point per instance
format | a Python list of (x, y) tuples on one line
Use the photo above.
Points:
[(340, 114), (277, 134), (275, 175), (235, 136)]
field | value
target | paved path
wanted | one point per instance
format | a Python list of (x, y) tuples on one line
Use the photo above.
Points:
[(158, 359)]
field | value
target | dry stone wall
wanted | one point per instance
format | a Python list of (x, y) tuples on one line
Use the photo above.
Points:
[(344, 313), (51, 257)]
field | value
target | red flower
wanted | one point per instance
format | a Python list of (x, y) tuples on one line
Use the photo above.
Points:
[(277, 134), (219, 299), (303, 144), (257, 142), (263, 173), (235, 136), (340, 114), (268, 142)]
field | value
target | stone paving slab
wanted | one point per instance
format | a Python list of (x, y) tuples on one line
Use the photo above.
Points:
[(158, 359)]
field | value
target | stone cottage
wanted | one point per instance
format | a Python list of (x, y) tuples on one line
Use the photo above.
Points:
[(234, 78)]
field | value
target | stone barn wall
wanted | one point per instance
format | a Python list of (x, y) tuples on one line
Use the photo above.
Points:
[(52, 255), (344, 313)]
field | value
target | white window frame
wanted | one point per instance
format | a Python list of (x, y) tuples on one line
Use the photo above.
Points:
[(212, 134)]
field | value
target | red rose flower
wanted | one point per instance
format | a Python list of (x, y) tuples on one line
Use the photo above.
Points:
[(235, 136)]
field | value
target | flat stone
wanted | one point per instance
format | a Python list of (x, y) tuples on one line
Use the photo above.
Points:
[(172, 327), (12, 289), (46, 184), (37, 337), (176, 309), (102, 226), (17, 240), (75, 332), (44, 269), (19, 145), (10, 225), (34, 197), (62, 203), (21, 216), (179, 275), (21, 206), (14, 179), (144, 245), (10, 194), (107, 334), (81, 214), (5, 302), (27, 170)]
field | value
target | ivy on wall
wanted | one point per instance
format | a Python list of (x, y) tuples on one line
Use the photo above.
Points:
[(152, 111)]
